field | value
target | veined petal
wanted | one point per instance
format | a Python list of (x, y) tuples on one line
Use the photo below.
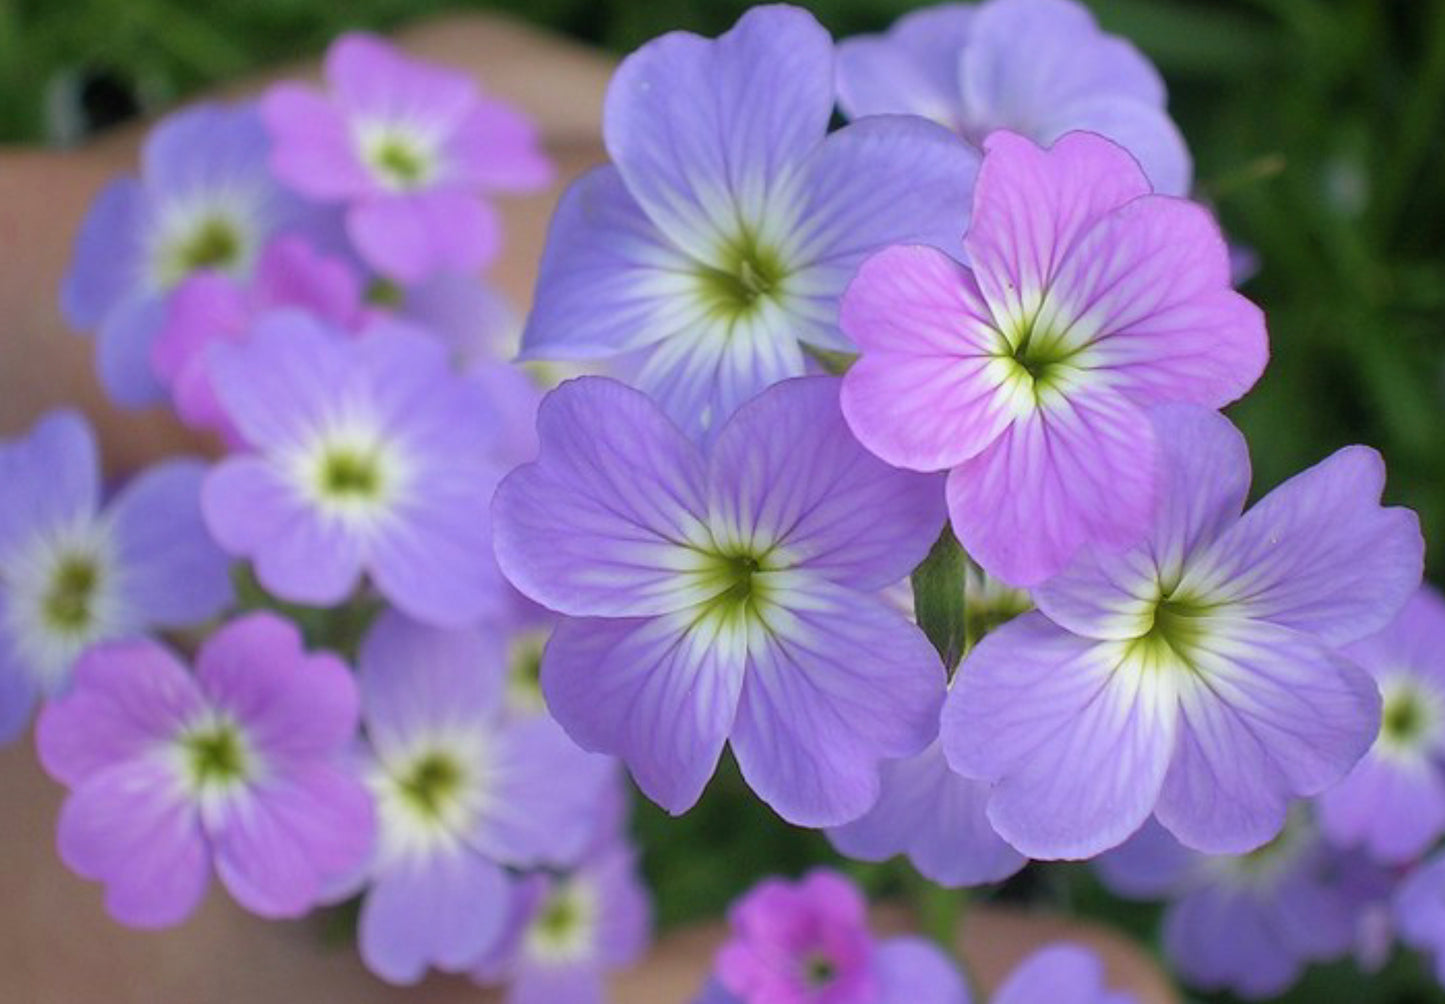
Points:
[(787, 477), (1077, 470), (837, 683), (1074, 735), (1318, 554), (606, 519), (1268, 713), (927, 392), (707, 131), (660, 693)]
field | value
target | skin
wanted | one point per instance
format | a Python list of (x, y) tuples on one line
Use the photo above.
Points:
[(57, 945)]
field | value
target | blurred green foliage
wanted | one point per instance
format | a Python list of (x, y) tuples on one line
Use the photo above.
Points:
[(1318, 128)]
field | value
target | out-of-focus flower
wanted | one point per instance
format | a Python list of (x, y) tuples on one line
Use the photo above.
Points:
[(74, 573), (245, 766), (718, 241), (1420, 911), (726, 596), (1196, 675)]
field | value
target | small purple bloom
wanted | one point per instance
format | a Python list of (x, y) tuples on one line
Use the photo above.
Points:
[(245, 766), (719, 240), (1194, 676), (74, 573), (463, 790), (1060, 973), (809, 941), (369, 455), (212, 306), (1028, 375), (1393, 803), (1420, 911), (1041, 68), (1249, 923), (727, 595), (409, 148), (205, 201)]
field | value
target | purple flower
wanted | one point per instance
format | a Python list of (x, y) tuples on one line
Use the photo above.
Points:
[(73, 573), (1060, 973), (926, 811), (1249, 923), (1028, 375), (370, 455), (205, 200), (212, 306), (809, 941), (463, 790), (1393, 803), (1041, 68), (718, 241), (1420, 911), (726, 595), (408, 148), (1194, 676), (245, 765)]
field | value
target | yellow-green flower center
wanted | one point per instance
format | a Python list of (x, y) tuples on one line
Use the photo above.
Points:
[(214, 244), (432, 785), (216, 756), (350, 475), (819, 971), (748, 273), (1173, 633), (67, 603)]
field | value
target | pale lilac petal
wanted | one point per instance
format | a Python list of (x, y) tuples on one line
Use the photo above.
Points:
[(911, 970), (913, 69), (173, 573), (837, 683), (51, 478), (1149, 865), (123, 351), (602, 522), (577, 983), (706, 131), (18, 692), (104, 269), (495, 146), (1420, 910), (1392, 807), (1268, 713), (1078, 470), (786, 472), (129, 827), (277, 845), (1060, 973), (374, 78), (411, 236), (1319, 554), (1145, 130), (1219, 937), (1031, 206), (1075, 739), (231, 135), (312, 147), (937, 818), (442, 910), (927, 391), (1413, 641), (659, 693)]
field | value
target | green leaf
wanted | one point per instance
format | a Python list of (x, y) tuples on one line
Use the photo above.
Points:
[(938, 598)]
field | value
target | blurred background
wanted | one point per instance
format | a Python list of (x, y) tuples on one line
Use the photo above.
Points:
[(1318, 131)]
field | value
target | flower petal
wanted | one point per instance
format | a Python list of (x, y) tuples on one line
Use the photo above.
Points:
[(837, 683), (51, 478), (911, 70), (410, 237), (1075, 737), (659, 693), (123, 351), (312, 148), (106, 261), (1392, 807), (912, 969), (1060, 973)]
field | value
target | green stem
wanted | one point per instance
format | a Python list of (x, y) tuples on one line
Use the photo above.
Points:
[(937, 911)]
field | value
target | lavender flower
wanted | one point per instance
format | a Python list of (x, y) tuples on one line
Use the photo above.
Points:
[(1060, 973), (245, 766), (719, 240), (463, 790), (205, 200), (73, 574), (370, 455), (1248, 923), (1393, 803), (726, 596), (1420, 911), (810, 941), (1194, 676), (1041, 68), (1029, 374), (408, 148)]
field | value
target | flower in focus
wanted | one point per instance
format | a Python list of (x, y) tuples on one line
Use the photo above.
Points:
[(1041, 68), (409, 149), (1249, 923), (1027, 375), (724, 596), (717, 243), (1393, 803), (245, 766), (464, 790), (809, 941), (205, 201), (1194, 676), (74, 573), (367, 455)]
